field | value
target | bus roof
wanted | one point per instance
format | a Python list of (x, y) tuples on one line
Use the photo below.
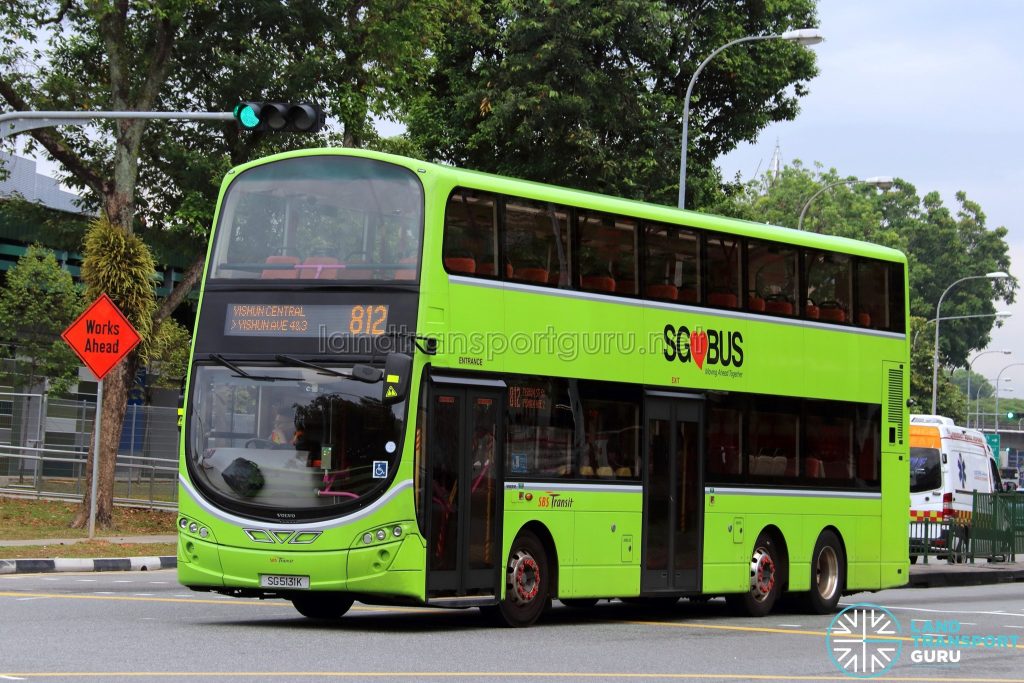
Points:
[(582, 198)]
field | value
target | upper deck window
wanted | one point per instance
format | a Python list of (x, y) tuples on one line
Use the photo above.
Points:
[(320, 218)]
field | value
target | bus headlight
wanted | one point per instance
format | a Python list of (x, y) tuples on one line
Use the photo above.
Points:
[(381, 534), (397, 531)]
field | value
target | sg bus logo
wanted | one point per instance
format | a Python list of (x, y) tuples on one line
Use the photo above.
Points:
[(714, 347)]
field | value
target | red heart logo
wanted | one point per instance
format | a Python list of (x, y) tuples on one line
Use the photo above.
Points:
[(699, 346)]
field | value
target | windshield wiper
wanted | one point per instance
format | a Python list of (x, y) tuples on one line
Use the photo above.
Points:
[(239, 372), (360, 373)]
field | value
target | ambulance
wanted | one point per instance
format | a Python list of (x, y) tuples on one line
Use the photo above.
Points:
[(947, 465)]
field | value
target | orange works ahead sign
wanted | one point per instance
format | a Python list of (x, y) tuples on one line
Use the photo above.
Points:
[(101, 336)]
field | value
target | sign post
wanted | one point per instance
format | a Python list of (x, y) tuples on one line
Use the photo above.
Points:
[(101, 337)]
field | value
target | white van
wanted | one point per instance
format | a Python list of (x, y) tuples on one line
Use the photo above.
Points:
[(947, 465)]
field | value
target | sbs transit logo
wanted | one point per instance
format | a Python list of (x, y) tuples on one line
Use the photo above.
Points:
[(711, 347)]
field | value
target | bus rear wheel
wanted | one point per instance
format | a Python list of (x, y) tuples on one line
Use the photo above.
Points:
[(322, 605), (766, 572), (828, 574), (527, 582)]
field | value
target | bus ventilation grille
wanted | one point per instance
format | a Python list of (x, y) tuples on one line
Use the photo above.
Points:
[(894, 409)]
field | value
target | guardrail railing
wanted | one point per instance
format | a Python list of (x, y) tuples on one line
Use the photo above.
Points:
[(60, 474)]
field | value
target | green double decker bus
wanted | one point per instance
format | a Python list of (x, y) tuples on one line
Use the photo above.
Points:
[(414, 384)]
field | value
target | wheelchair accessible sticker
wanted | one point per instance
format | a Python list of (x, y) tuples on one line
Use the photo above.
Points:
[(380, 469)]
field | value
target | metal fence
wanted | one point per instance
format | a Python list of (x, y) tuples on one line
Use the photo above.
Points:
[(44, 444), (994, 532)]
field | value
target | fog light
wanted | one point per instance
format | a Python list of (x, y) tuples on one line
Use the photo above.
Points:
[(183, 523), (381, 534), (204, 532), (193, 527), (397, 531), (367, 537)]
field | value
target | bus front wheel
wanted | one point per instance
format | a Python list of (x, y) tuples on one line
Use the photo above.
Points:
[(322, 605), (527, 582), (828, 574), (766, 572)]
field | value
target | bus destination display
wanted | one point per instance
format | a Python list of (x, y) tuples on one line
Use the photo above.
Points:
[(300, 320)]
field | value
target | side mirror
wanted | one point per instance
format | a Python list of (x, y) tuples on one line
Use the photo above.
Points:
[(397, 373)]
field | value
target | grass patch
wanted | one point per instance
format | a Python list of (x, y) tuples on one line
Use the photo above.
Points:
[(22, 518), (86, 549)]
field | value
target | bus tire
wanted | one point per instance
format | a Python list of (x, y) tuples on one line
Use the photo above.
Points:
[(322, 605), (527, 582), (766, 572), (828, 574)]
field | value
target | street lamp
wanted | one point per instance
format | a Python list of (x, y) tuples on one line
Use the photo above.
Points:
[(998, 314), (800, 36), (998, 275), (979, 423), (998, 377), (882, 182), (970, 363)]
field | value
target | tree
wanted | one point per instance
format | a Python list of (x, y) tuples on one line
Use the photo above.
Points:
[(589, 93), (38, 302), (360, 58), (950, 402)]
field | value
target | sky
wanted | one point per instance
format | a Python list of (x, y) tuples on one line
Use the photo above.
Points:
[(930, 91)]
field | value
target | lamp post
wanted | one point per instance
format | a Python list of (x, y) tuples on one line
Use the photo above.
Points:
[(998, 275), (882, 182), (970, 364), (998, 377), (979, 423), (800, 36), (998, 314)]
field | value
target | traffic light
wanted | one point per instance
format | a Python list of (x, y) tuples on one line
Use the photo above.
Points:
[(1010, 414), (286, 117)]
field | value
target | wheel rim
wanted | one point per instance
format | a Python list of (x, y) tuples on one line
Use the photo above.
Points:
[(523, 577), (826, 569), (762, 574)]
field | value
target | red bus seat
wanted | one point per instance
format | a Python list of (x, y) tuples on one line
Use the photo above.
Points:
[(531, 274), (722, 299), (280, 273), (662, 292), (461, 264), (601, 283), (313, 268)]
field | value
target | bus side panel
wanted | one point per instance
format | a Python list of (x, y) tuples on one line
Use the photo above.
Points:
[(731, 531), (606, 546)]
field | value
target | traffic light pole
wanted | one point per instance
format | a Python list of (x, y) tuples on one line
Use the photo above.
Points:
[(16, 122)]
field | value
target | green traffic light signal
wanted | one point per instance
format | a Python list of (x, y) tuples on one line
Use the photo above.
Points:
[(1010, 414), (285, 117)]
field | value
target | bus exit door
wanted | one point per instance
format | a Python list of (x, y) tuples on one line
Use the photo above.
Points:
[(673, 495), (464, 439)]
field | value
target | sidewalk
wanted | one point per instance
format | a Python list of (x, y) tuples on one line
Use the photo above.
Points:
[(104, 564), (939, 573)]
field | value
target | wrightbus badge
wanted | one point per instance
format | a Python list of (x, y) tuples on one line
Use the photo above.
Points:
[(380, 469)]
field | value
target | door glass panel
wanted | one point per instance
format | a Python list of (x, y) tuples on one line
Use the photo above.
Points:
[(659, 444), (482, 483), (444, 465), (688, 500)]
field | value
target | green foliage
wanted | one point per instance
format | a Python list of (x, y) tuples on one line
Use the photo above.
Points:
[(121, 265), (980, 387), (169, 355), (38, 302), (589, 93)]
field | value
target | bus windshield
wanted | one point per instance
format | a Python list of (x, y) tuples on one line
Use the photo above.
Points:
[(290, 439), (323, 217), (925, 470)]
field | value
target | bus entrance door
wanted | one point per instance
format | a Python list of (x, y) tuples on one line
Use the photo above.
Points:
[(464, 436), (672, 495)]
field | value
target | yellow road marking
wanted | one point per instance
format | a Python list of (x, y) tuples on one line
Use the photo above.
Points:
[(199, 601), (765, 629), (490, 674)]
